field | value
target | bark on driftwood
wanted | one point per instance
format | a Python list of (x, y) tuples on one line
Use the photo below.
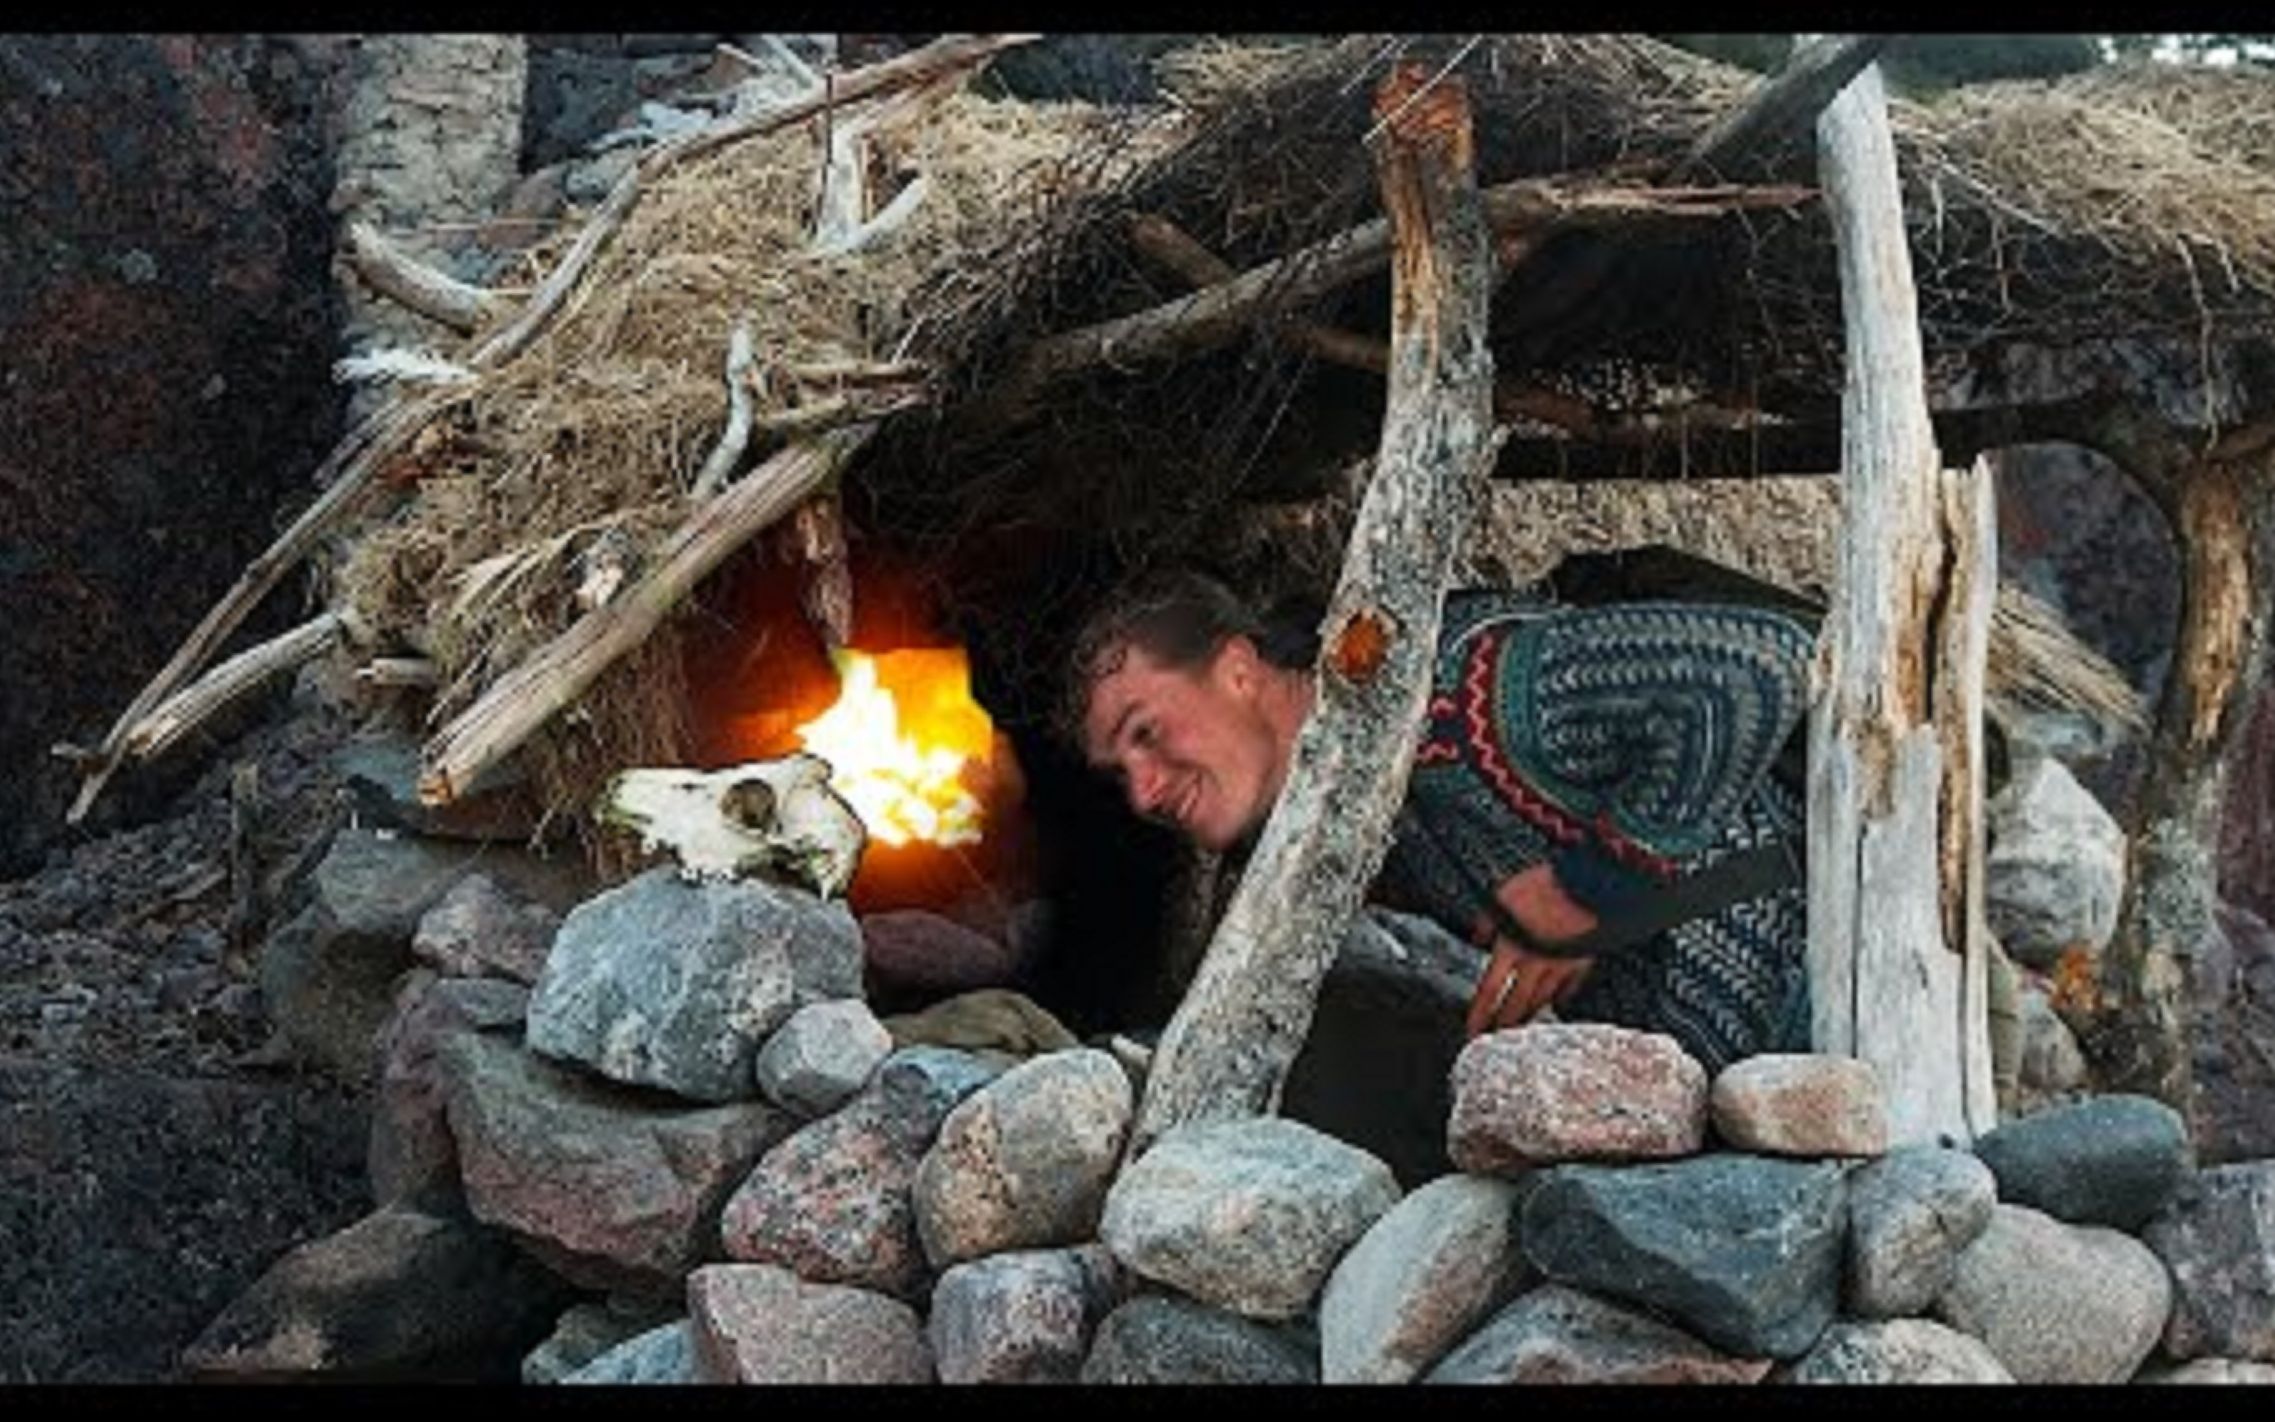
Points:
[(1897, 954), (1227, 1049), (558, 673), (2220, 499)]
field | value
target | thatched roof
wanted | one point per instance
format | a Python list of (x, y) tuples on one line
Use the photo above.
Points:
[(2122, 204)]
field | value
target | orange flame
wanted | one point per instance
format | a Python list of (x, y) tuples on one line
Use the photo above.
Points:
[(899, 738)]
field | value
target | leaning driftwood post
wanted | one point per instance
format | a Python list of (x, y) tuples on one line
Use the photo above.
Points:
[(1896, 950), (1227, 1049)]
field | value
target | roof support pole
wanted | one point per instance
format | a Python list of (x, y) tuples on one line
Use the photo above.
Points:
[(1228, 1047), (1897, 946)]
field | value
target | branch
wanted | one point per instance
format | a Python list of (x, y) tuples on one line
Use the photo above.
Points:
[(350, 469), (396, 274), (1173, 248), (1783, 109), (728, 452), (1675, 448), (1228, 1048), (1218, 314), (556, 674), (189, 708)]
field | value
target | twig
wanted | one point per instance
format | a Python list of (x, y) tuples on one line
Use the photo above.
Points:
[(413, 284), (190, 707), (736, 437)]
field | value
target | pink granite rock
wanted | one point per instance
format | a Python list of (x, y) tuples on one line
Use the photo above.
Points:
[(1801, 1104), (1573, 1091), (755, 1323)]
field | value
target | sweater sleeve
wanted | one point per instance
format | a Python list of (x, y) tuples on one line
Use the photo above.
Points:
[(1651, 721)]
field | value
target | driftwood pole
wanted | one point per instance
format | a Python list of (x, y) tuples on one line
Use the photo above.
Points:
[(2219, 497), (1227, 1049), (1896, 942)]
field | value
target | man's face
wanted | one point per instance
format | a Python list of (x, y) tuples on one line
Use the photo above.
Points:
[(1192, 748)]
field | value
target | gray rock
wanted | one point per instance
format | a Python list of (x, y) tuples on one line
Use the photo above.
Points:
[(1024, 1162), (2058, 1303), (382, 774), (609, 1187), (2109, 1160), (1560, 1091), (662, 1356), (587, 1331), (1745, 1251), (1419, 1280), (328, 975), (411, 1154), (660, 982), (1898, 1350), (2217, 1371), (1374, 1070), (379, 884), (2054, 873), (2050, 1068), (2217, 1236), (755, 1323), (1911, 1212), (1025, 1316), (480, 930), (1248, 1215), (398, 1294), (934, 1078), (821, 1056), (1158, 1338), (1556, 1334)]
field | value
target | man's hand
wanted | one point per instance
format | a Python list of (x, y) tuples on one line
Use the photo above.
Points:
[(1531, 981)]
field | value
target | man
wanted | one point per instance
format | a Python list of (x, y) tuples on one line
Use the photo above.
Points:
[(1579, 771)]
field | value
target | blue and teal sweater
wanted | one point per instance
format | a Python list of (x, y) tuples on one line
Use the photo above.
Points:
[(1625, 745)]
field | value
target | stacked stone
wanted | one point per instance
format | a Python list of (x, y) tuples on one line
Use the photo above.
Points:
[(667, 1127)]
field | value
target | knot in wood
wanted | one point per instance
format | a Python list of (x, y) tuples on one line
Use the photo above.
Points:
[(1360, 647)]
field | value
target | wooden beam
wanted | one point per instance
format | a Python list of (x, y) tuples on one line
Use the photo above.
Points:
[(1227, 1049), (1676, 447), (1218, 314), (1778, 114), (189, 708), (1888, 985), (1772, 118), (524, 699)]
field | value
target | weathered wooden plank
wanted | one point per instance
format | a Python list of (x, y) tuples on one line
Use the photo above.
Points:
[(1896, 723), (1228, 1047)]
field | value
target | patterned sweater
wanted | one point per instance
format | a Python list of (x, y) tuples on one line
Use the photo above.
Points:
[(1625, 745)]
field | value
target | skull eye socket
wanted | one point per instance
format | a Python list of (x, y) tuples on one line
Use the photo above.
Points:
[(749, 803)]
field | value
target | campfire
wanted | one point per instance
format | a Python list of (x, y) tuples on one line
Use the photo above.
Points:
[(900, 738), (922, 764)]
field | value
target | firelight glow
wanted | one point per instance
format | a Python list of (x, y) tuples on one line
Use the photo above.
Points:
[(897, 740)]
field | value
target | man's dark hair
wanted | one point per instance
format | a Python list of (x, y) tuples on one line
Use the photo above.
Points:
[(1180, 616)]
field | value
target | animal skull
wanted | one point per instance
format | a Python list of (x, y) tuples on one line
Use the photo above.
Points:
[(768, 815)]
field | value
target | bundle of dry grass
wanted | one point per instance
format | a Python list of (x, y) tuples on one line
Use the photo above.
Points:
[(584, 447)]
